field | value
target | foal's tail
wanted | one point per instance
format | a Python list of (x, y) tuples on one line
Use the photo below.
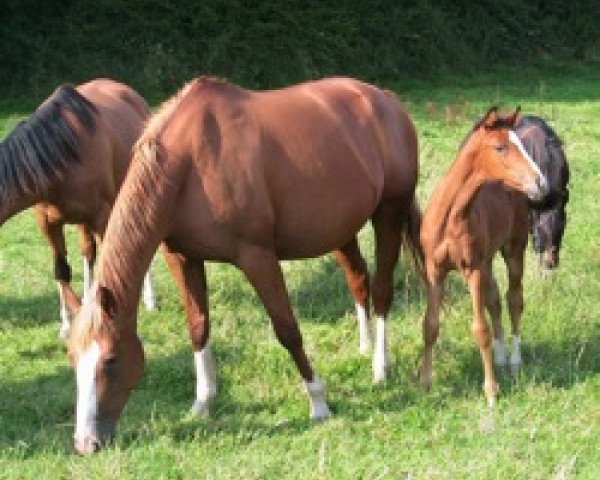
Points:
[(412, 233)]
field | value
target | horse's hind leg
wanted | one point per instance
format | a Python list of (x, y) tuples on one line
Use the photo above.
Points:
[(431, 322), (261, 267), (494, 308), (69, 303), (514, 297), (88, 251), (191, 278), (357, 277), (481, 331), (387, 222)]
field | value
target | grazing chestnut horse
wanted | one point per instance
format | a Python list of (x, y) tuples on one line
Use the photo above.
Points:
[(548, 218), (479, 208), (69, 160), (248, 178)]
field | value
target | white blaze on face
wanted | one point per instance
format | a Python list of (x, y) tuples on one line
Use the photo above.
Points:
[(86, 390), (531, 185)]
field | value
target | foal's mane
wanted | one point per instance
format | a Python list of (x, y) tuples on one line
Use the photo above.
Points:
[(40, 149)]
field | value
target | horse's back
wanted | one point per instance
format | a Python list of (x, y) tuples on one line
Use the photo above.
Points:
[(308, 161)]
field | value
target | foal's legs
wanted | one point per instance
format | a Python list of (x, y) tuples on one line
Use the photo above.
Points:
[(477, 283), (494, 308), (69, 303), (431, 322), (514, 297), (88, 251), (357, 277), (387, 223), (191, 278), (261, 267)]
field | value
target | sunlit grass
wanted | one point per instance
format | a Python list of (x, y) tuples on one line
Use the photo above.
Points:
[(546, 425)]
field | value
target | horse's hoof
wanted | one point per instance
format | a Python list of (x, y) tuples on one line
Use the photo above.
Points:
[(64, 333), (201, 408), (364, 348), (515, 368), (320, 413)]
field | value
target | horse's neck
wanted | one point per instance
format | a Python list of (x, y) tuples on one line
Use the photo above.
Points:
[(12, 205), (456, 192), (138, 224)]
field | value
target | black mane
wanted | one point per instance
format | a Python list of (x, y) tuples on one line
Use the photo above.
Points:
[(39, 149)]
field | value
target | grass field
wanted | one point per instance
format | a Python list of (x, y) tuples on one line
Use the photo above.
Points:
[(546, 424)]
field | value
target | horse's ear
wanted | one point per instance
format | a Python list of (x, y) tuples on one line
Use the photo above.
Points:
[(491, 117), (516, 117), (107, 301)]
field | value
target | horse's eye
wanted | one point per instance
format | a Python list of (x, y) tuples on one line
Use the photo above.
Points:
[(110, 362), (501, 149)]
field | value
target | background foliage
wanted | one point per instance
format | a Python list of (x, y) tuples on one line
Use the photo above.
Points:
[(156, 45)]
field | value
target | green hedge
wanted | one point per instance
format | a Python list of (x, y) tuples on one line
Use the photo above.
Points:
[(156, 45)]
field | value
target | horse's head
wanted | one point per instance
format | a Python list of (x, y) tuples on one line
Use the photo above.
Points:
[(548, 217), (499, 153), (548, 228), (108, 360)]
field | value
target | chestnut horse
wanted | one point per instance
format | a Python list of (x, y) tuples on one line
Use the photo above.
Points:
[(69, 160), (479, 208), (248, 178), (549, 218)]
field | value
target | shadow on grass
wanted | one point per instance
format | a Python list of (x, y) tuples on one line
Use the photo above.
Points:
[(29, 312), (167, 391)]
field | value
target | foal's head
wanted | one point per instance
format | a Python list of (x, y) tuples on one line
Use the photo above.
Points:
[(498, 153), (108, 360)]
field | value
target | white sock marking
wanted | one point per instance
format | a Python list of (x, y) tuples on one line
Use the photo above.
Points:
[(500, 354), (364, 329), (86, 391), (149, 297), (206, 380), (65, 315), (380, 357), (515, 355), (87, 278), (319, 410)]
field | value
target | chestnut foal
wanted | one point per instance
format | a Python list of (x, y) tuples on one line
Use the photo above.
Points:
[(479, 208)]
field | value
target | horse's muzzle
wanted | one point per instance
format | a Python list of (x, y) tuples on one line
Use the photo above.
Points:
[(97, 438), (549, 258)]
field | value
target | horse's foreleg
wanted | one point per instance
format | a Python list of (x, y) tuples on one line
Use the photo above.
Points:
[(494, 308), (431, 325), (191, 278), (69, 303), (88, 251), (481, 331), (388, 235), (357, 277), (261, 267), (514, 298), (148, 293)]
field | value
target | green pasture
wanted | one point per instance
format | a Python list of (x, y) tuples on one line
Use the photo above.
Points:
[(546, 424)]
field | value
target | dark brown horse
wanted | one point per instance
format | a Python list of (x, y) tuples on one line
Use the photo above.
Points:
[(69, 160), (548, 218), (478, 209), (249, 178)]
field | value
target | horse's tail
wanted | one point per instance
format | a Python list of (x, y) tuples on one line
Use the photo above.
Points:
[(412, 234)]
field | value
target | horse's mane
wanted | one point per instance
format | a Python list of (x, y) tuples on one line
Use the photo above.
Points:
[(164, 113), (39, 149)]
